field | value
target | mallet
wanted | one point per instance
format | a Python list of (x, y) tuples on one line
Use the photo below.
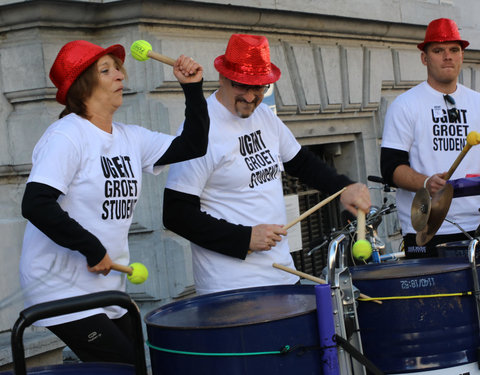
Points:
[(137, 273), (142, 50), (313, 278), (473, 138), (362, 249)]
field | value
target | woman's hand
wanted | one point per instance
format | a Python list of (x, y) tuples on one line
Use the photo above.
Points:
[(104, 266), (187, 70)]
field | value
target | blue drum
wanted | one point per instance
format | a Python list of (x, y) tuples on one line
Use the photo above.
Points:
[(429, 322), (264, 330), (453, 249)]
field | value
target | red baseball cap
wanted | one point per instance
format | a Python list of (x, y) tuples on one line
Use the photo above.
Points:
[(73, 59), (247, 60), (442, 30)]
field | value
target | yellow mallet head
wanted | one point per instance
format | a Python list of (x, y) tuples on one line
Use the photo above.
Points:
[(473, 138), (139, 273), (362, 250), (140, 50)]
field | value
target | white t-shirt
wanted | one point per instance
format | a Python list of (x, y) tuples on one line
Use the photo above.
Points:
[(100, 176), (417, 122), (239, 180)]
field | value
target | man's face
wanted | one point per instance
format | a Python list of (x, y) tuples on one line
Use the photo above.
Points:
[(241, 99), (443, 62)]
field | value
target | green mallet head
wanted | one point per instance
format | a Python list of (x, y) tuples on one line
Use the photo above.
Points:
[(362, 250), (140, 50), (139, 273)]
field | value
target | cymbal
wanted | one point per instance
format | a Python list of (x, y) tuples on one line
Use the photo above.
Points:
[(420, 211), (439, 208)]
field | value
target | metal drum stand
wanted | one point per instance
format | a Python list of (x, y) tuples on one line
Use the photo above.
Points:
[(472, 249), (344, 309)]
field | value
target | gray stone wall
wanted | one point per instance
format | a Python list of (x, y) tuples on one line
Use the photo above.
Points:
[(342, 64)]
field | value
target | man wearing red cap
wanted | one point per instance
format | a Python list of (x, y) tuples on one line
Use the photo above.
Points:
[(229, 203), (425, 131)]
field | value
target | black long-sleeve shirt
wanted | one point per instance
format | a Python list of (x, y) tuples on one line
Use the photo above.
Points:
[(390, 159), (182, 213), (40, 206)]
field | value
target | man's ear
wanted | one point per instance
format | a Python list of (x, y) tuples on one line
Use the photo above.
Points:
[(423, 57)]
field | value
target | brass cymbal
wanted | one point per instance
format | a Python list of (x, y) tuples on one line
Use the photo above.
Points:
[(422, 237), (420, 211), (439, 208)]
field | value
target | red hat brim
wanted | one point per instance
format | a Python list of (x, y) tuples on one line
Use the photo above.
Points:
[(245, 77), (463, 43)]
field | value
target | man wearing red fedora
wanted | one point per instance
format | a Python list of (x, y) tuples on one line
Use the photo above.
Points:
[(425, 130), (229, 203)]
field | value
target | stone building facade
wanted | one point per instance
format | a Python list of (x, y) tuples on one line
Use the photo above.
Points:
[(342, 64)]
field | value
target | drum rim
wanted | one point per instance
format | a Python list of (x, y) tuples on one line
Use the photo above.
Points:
[(308, 290), (453, 264)]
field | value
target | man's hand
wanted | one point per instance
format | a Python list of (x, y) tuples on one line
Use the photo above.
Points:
[(356, 196), (435, 182), (266, 236)]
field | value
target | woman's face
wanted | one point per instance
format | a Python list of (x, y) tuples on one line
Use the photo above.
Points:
[(109, 89)]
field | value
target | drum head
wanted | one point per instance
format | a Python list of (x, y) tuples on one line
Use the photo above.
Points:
[(236, 307), (407, 268)]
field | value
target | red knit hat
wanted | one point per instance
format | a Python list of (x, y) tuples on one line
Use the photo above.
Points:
[(247, 60), (442, 30), (73, 59)]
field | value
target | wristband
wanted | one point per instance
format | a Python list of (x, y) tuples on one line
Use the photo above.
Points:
[(425, 182)]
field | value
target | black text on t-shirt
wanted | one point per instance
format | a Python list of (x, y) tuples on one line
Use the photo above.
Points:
[(121, 187), (449, 135), (258, 159)]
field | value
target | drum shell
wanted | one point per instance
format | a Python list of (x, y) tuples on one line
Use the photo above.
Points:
[(419, 334), (453, 249), (253, 320)]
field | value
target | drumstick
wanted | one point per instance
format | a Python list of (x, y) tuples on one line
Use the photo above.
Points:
[(311, 210), (312, 278), (473, 138), (314, 208)]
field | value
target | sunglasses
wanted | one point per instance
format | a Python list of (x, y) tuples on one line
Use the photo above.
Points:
[(257, 89), (453, 113)]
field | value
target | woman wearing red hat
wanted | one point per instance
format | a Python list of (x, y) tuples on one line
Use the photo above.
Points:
[(85, 181), (425, 131), (229, 203)]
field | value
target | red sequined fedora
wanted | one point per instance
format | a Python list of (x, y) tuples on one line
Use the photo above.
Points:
[(73, 59), (442, 30), (247, 60)]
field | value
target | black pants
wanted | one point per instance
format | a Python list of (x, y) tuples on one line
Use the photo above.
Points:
[(412, 250), (98, 338)]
